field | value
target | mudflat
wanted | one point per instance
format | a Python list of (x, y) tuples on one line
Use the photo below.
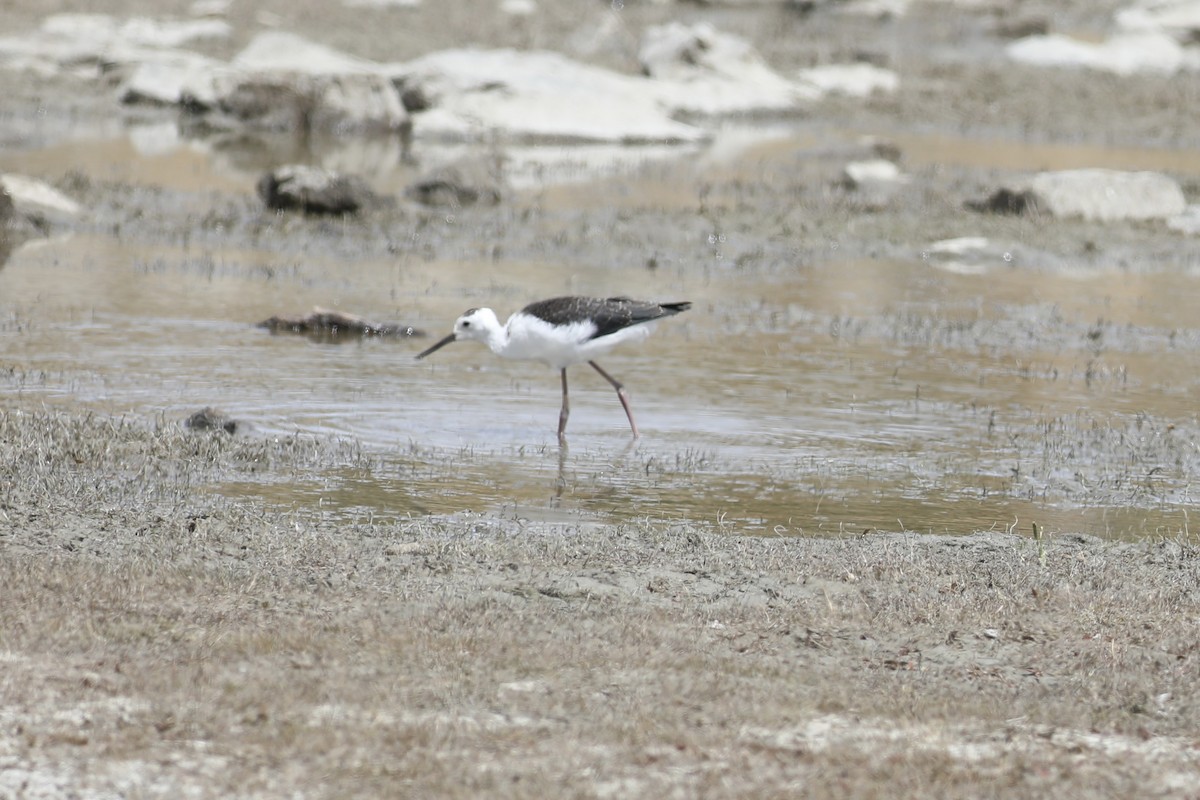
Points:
[(412, 592)]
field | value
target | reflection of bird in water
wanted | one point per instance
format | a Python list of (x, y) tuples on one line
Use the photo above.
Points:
[(564, 331)]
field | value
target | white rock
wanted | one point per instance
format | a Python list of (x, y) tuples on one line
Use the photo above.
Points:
[(1188, 222), (1105, 194), (966, 255), (1123, 54), (959, 246), (877, 182), (854, 80), (67, 41), (878, 171), (518, 8), (537, 96), (277, 51), (1181, 18), (39, 201), (700, 70), (163, 81)]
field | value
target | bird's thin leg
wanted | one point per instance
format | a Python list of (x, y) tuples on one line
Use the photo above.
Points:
[(566, 410), (560, 483), (621, 395)]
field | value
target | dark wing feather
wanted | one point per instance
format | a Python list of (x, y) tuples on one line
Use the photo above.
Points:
[(608, 314)]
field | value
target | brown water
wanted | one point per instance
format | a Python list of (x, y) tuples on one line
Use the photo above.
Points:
[(840, 398)]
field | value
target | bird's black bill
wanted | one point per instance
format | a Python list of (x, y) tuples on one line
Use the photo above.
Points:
[(437, 346)]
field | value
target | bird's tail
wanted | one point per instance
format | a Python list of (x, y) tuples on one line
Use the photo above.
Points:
[(675, 308)]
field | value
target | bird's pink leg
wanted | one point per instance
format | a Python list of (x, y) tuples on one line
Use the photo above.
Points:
[(621, 395), (566, 410)]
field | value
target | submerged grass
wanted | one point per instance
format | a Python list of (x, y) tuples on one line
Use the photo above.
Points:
[(1015, 463)]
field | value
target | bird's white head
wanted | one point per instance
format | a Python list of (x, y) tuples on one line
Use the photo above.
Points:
[(476, 324)]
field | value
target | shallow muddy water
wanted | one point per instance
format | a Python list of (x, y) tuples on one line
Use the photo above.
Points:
[(844, 396)]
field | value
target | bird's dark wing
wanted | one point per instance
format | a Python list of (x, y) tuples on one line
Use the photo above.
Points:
[(609, 315)]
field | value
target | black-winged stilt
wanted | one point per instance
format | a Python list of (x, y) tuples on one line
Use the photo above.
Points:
[(564, 331)]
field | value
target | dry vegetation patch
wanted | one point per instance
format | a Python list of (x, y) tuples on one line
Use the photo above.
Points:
[(185, 641)]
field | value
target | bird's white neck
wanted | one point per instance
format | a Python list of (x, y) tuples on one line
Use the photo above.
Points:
[(497, 338)]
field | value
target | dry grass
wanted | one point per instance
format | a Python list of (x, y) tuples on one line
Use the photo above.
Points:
[(155, 646)]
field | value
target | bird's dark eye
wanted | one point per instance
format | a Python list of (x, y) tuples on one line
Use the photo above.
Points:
[(466, 324)]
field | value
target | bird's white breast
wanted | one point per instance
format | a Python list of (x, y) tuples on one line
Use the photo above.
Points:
[(559, 346)]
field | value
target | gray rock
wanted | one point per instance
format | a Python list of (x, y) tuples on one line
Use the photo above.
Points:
[(357, 103), (1021, 26), (282, 82), (313, 190), (227, 101), (1015, 199), (457, 185), (8, 211), (348, 103), (210, 419)]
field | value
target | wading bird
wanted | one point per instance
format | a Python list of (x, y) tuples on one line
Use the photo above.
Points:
[(564, 331)]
